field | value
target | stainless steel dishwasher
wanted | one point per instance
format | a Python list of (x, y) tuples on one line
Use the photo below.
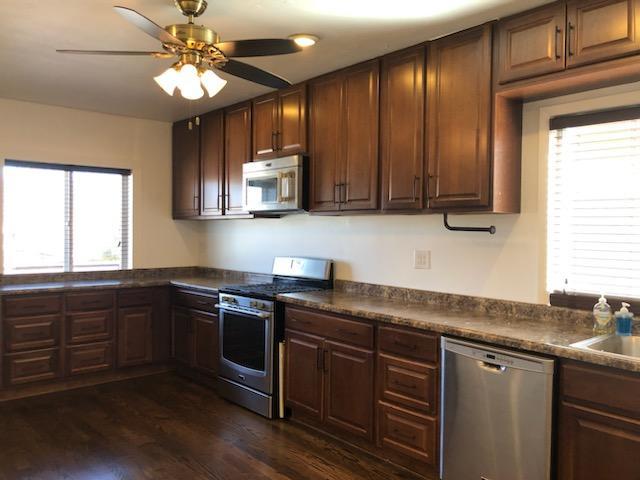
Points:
[(496, 413)]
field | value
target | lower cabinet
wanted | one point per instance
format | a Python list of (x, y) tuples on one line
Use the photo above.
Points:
[(195, 332), (599, 424), (135, 335), (376, 387), (49, 337)]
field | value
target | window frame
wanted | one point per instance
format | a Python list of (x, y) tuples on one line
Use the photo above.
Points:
[(125, 247), (577, 300)]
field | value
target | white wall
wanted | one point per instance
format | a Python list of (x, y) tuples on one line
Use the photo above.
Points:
[(30, 131), (378, 249)]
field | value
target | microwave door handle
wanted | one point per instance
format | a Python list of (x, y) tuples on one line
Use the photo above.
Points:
[(279, 187)]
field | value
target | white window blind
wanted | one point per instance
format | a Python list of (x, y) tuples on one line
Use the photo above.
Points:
[(62, 218), (594, 209)]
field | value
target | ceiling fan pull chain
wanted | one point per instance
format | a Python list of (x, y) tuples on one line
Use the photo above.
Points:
[(197, 121), (190, 125)]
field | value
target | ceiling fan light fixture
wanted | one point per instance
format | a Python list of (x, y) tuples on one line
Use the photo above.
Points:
[(212, 82), (168, 80), (189, 82), (304, 40)]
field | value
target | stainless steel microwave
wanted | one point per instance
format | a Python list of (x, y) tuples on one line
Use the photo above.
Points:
[(276, 185)]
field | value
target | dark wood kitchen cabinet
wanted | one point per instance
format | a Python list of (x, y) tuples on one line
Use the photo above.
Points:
[(343, 139), (186, 169), (459, 118), (212, 164), (135, 335), (237, 132), (599, 423), (599, 30), (402, 98), (195, 332), (532, 43), (279, 123), (330, 371)]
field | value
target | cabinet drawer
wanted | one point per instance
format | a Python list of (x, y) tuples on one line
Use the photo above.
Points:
[(89, 301), (89, 358), (410, 384), (31, 332), (38, 305), (407, 343), (197, 301), (348, 331), (407, 433), (135, 297), (89, 326), (31, 367), (610, 388)]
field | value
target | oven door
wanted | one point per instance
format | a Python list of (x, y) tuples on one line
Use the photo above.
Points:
[(246, 348), (272, 190)]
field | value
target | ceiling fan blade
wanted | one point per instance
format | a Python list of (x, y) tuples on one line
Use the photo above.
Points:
[(149, 27), (258, 47), (254, 74), (118, 52)]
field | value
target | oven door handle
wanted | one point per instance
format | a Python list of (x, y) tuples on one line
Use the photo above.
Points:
[(244, 312)]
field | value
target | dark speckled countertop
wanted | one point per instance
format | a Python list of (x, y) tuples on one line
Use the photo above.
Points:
[(543, 335), (201, 283)]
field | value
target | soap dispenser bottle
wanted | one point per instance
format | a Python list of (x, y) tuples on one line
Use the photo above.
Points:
[(624, 321), (602, 324)]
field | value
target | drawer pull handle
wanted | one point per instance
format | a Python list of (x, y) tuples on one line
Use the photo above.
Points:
[(403, 435), (405, 345), (404, 385)]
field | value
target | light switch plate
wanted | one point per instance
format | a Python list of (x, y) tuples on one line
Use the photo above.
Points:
[(422, 259)]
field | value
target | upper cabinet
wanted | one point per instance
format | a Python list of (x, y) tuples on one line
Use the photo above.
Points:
[(402, 98), (212, 163), (186, 169), (564, 35), (208, 153), (343, 147), (458, 121), (237, 131), (279, 123), (601, 29), (532, 44)]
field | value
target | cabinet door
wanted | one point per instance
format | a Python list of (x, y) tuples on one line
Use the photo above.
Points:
[(135, 335), (596, 446), (349, 389), (459, 96), (186, 169), (182, 339), (325, 134), (532, 44), (265, 125), (291, 136), (402, 129), (304, 375), (359, 160), (205, 342), (602, 29), (237, 152), (212, 163)]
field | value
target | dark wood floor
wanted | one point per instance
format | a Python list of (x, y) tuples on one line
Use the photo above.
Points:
[(165, 427)]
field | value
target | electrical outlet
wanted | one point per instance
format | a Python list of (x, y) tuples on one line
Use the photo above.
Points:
[(422, 259)]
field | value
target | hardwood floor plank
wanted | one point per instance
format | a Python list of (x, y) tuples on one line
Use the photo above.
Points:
[(165, 427)]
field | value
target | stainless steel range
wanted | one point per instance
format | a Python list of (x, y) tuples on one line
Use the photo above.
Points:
[(252, 333)]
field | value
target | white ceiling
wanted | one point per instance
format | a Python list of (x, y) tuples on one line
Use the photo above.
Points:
[(350, 31)]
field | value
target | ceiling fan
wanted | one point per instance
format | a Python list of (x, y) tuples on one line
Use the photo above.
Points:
[(200, 52)]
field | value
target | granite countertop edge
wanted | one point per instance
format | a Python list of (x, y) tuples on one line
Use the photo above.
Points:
[(548, 348)]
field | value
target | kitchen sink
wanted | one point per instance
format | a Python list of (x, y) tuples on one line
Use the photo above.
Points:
[(629, 346)]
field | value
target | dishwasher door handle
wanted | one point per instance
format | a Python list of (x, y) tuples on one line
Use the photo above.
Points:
[(492, 367)]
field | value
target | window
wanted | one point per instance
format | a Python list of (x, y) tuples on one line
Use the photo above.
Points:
[(594, 204), (62, 218)]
